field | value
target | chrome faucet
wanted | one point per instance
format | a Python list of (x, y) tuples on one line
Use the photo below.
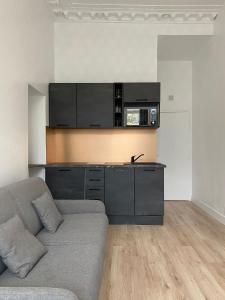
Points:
[(135, 157)]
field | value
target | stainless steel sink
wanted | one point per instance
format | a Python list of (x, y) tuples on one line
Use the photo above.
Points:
[(143, 163)]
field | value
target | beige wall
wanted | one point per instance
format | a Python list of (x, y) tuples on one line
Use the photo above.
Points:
[(101, 146)]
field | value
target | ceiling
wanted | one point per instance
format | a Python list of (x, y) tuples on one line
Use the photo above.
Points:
[(156, 11)]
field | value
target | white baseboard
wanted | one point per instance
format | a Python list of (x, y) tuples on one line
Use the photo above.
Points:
[(210, 211)]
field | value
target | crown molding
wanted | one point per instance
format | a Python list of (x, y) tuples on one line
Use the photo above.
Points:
[(70, 11)]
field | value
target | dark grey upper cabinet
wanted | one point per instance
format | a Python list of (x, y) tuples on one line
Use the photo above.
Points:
[(149, 191), (141, 92), (119, 191), (62, 105), (66, 183), (95, 105)]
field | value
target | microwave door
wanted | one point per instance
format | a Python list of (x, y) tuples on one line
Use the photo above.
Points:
[(132, 117), (143, 117)]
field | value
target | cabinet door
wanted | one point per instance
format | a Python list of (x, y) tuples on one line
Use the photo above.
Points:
[(119, 191), (149, 191), (141, 92), (95, 105), (66, 183), (62, 105)]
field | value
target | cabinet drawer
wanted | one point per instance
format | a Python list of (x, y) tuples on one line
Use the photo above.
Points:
[(66, 183), (95, 182), (65, 177), (95, 194), (68, 193), (95, 172)]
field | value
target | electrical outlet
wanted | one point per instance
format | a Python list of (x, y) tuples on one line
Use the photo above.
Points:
[(171, 97)]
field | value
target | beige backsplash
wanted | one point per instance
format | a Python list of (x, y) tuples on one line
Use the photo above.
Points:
[(100, 145)]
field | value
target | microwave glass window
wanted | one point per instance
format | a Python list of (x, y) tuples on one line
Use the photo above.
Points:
[(133, 117)]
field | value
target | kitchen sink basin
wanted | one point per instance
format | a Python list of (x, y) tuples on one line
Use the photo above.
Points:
[(143, 163)]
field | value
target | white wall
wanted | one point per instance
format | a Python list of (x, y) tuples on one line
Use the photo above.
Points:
[(104, 52), (129, 52), (209, 123), (175, 133), (26, 56), (113, 52)]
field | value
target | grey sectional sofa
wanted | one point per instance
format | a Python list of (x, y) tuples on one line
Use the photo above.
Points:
[(71, 269)]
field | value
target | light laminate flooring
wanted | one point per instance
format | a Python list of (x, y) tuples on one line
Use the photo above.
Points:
[(183, 259)]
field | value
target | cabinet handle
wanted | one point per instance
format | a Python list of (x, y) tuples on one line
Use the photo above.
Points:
[(121, 170), (141, 100), (149, 170), (62, 125), (94, 125), (94, 170), (94, 189), (95, 179), (64, 170)]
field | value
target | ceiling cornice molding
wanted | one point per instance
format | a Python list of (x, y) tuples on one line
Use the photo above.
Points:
[(77, 12)]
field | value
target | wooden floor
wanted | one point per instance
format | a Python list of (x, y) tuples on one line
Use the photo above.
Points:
[(184, 259)]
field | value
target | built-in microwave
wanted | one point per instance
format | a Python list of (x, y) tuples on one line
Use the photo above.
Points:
[(141, 116)]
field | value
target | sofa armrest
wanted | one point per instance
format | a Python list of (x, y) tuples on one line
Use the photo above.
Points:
[(35, 293), (80, 206)]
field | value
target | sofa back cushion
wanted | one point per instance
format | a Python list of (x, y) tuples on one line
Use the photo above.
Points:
[(8, 209), (24, 192)]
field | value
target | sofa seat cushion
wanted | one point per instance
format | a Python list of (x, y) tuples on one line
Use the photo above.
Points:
[(74, 267), (77, 229)]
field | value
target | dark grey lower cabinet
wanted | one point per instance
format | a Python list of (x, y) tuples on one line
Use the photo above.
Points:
[(66, 183), (119, 191), (149, 191), (132, 195), (95, 183)]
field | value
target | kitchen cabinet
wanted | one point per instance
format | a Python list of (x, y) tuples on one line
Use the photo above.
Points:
[(141, 92), (62, 105), (132, 194), (119, 191), (149, 191), (66, 183), (95, 183), (95, 105)]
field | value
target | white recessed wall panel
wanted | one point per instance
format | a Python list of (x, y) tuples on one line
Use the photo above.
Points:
[(174, 149), (36, 127), (175, 133)]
